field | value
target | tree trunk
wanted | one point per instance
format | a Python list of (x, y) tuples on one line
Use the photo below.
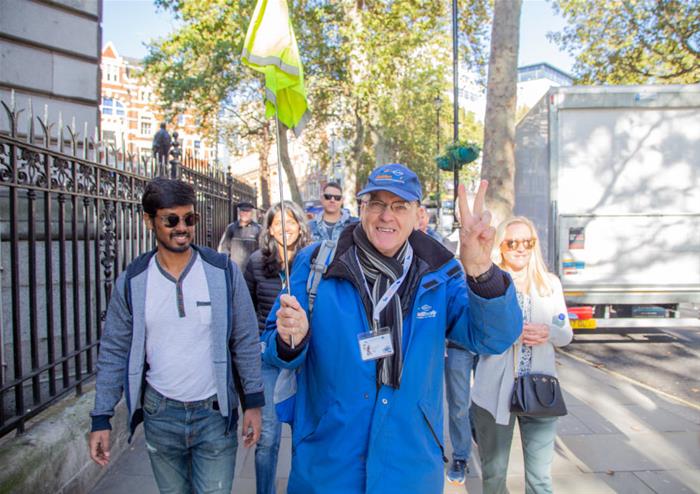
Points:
[(498, 166), (358, 147), (287, 165), (265, 143)]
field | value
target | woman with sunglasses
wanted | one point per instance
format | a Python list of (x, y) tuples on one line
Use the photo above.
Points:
[(265, 275), (545, 325)]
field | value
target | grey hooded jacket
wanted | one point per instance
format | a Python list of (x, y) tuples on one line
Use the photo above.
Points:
[(235, 342)]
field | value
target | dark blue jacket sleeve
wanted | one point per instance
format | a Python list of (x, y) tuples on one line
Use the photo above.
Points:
[(486, 326)]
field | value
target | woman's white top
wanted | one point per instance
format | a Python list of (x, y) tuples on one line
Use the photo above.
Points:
[(495, 374)]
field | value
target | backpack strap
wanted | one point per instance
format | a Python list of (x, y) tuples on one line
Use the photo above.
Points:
[(319, 265)]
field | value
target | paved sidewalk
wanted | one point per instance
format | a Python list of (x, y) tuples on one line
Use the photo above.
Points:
[(619, 437)]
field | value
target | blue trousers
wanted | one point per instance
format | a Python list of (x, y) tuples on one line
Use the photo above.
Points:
[(267, 449), (188, 446), (458, 369), (537, 435)]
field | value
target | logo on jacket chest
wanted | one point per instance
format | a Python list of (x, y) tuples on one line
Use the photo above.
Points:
[(426, 311)]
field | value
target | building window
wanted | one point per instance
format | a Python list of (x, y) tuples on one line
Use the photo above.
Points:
[(109, 137), (111, 106), (111, 73), (181, 119), (145, 127)]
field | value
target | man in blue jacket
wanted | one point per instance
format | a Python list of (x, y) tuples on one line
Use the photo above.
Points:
[(368, 416), (181, 342)]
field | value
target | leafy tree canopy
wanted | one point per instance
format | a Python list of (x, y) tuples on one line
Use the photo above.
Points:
[(372, 71), (632, 41)]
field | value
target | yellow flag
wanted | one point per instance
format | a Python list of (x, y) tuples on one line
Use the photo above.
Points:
[(271, 48)]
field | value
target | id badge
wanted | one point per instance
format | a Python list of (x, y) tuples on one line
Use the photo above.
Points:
[(375, 344)]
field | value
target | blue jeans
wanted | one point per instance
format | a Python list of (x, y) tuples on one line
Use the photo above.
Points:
[(188, 446), (268, 446), (458, 369), (537, 435)]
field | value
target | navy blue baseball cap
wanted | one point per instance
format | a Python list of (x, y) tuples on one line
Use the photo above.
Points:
[(394, 178)]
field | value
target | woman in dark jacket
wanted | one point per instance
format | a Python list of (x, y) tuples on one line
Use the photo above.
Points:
[(265, 276)]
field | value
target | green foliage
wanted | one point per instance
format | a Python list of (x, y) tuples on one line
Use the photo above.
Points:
[(474, 27), (372, 70), (632, 42)]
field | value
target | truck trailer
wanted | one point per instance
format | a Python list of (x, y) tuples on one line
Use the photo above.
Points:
[(610, 175)]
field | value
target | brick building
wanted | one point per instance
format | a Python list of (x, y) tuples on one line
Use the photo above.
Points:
[(131, 115)]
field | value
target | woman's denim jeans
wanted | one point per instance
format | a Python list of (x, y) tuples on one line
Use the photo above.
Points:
[(187, 443), (268, 446)]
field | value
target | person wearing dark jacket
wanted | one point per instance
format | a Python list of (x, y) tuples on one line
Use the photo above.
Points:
[(161, 145), (240, 239), (265, 276)]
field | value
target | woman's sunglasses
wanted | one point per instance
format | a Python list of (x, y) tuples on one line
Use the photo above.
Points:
[(172, 220), (528, 243)]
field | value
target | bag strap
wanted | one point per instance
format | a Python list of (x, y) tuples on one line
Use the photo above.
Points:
[(319, 266)]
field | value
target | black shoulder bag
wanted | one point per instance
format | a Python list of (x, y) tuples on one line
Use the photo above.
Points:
[(536, 395)]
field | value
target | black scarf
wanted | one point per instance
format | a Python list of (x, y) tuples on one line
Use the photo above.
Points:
[(380, 272)]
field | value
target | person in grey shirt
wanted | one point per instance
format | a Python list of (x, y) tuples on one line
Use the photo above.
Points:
[(240, 239), (181, 342)]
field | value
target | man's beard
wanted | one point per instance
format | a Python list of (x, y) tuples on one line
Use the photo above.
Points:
[(177, 249)]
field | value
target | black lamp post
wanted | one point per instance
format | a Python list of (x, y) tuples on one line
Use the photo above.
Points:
[(438, 104), (455, 83)]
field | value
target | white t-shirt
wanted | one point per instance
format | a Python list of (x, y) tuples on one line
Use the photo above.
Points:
[(178, 332)]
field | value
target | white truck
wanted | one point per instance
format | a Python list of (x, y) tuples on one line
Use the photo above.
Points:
[(611, 177)]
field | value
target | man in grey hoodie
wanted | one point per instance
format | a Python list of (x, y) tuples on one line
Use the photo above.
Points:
[(181, 342)]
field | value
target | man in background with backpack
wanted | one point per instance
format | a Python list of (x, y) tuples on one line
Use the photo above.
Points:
[(328, 224), (369, 358)]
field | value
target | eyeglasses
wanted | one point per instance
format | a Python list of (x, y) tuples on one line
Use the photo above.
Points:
[(397, 207), (328, 197), (172, 220), (527, 243)]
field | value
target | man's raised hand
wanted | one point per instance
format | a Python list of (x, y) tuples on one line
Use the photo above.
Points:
[(476, 234)]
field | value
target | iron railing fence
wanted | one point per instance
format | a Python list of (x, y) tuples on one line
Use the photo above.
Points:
[(70, 222)]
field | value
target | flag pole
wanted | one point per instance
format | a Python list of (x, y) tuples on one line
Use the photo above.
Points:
[(283, 214)]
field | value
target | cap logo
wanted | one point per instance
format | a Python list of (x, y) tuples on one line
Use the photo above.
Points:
[(390, 174)]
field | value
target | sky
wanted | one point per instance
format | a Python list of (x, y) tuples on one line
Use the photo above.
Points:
[(130, 23)]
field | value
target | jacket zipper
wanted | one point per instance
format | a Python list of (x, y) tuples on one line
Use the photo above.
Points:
[(437, 441)]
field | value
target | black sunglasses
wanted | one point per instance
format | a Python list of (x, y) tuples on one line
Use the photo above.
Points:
[(172, 220), (328, 197)]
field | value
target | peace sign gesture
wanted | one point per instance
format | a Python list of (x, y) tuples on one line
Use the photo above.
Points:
[(476, 234)]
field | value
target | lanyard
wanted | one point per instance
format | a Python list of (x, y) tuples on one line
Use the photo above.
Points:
[(378, 307)]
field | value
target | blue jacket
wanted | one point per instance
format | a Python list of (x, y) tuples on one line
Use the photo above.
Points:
[(235, 342), (319, 231), (350, 436)]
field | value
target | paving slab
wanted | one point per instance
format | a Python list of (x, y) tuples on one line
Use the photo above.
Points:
[(636, 452), (677, 481)]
